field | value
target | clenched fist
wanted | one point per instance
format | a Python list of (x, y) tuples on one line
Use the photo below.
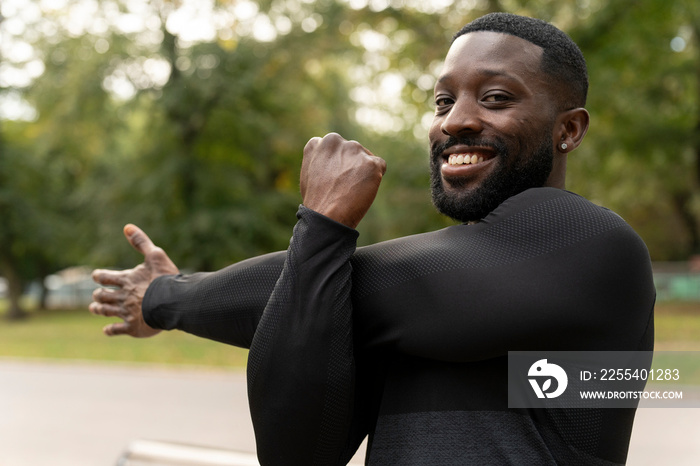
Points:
[(340, 178)]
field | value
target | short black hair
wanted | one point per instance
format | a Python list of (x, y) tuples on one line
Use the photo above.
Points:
[(562, 59)]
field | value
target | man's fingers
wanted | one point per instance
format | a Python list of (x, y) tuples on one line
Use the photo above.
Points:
[(110, 277), (138, 239), (117, 328), (381, 163), (311, 145), (105, 295), (107, 310)]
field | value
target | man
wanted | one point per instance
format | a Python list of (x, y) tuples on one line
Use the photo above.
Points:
[(406, 341)]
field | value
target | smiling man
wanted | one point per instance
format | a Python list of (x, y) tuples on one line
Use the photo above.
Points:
[(501, 104), (406, 340)]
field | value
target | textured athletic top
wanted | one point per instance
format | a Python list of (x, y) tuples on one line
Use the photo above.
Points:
[(406, 340)]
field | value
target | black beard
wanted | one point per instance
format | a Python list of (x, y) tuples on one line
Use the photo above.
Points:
[(515, 174)]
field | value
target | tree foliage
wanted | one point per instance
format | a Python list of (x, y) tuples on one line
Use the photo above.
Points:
[(199, 139)]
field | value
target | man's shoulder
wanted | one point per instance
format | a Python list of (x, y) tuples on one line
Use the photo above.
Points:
[(554, 196), (556, 206), (550, 218)]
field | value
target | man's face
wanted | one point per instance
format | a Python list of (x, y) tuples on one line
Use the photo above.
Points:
[(492, 135)]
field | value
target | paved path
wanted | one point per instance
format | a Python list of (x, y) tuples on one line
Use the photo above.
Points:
[(86, 414), (82, 414)]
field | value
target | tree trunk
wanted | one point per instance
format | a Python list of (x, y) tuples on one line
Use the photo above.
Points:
[(15, 287), (692, 219), (43, 296)]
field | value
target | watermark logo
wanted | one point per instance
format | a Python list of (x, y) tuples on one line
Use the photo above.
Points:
[(544, 371), (602, 379)]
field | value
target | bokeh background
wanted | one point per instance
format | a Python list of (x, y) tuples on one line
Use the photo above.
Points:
[(189, 118)]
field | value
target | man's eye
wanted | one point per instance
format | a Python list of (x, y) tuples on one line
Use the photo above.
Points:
[(443, 101), (496, 98)]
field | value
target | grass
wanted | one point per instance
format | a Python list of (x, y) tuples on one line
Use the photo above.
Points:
[(677, 326), (77, 335)]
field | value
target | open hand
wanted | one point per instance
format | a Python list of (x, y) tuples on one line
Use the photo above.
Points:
[(129, 287)]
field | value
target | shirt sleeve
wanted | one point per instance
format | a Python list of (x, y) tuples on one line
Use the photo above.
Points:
[(301, 370), (224, 306), (547, 263)]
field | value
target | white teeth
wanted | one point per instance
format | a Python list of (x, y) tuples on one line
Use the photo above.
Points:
[(464, 159)]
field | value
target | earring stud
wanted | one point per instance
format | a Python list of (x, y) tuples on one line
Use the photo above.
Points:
[(564, 146)]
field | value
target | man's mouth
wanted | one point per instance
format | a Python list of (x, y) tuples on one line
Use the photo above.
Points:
[(461, 163), (464, 159)]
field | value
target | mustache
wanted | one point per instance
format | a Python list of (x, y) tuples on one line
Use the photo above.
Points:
[(496, 144)]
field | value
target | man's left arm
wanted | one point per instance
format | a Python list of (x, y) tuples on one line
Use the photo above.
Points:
[(301, 367), (301, 373)]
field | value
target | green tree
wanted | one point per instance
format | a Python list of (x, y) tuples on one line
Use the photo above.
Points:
[(46, 161), (199, 139), (642, 156)]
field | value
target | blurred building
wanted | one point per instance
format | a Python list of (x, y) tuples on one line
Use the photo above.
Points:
[(71, 287), (677, 281)]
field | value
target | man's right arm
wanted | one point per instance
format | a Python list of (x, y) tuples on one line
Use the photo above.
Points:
[(224, 306)]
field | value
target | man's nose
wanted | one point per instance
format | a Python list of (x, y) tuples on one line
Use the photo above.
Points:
[(463, 118)]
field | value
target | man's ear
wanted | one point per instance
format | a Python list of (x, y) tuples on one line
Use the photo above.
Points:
[(570, 128)]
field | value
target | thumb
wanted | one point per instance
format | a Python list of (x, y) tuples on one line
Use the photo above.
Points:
[(138, 239)]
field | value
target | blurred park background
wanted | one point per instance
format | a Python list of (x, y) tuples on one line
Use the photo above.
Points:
[(189, 117)]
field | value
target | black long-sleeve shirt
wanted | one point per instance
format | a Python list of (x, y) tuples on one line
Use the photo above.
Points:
[(406, 340)]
